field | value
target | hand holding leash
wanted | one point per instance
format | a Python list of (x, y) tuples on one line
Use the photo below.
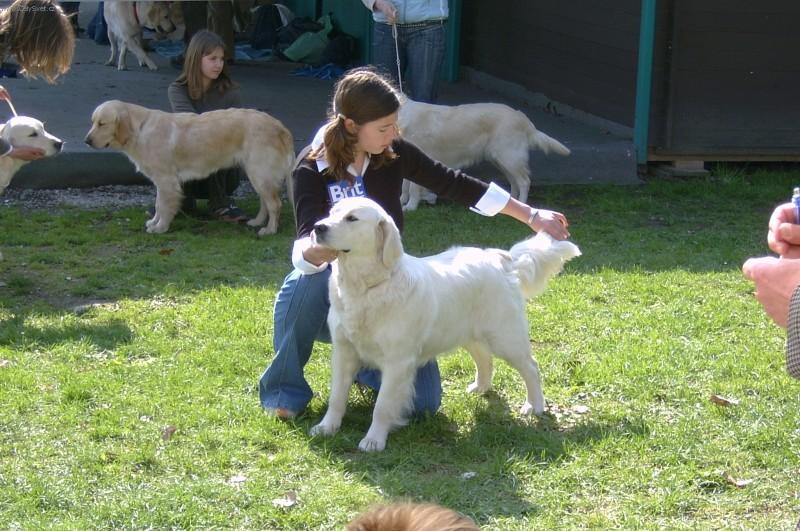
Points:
[(784, 231)]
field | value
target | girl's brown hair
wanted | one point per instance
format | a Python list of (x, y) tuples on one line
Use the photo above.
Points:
[(40, 36), (364, 96), (411, 517), (203, 43)]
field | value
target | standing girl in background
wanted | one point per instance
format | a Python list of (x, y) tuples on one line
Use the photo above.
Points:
[(204, 85)]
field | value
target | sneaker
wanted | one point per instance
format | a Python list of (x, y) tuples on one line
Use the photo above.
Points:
[(281, 413)]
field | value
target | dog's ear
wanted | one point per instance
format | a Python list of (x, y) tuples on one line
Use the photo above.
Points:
[(123, 129), (392, 246)]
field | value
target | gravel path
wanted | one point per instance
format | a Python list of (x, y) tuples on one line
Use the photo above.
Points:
[(116, 196)]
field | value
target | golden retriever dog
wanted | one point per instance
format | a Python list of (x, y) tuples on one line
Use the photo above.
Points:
[(125, 21), (24, 131), (171, 148), (395, 312), (411, 517), (463, 135)]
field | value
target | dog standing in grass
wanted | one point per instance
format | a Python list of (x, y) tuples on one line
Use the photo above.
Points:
[(396, 312), (171, 148), (462, 135)]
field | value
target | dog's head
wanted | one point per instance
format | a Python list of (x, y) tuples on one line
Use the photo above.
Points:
[(360, 227), (156, 15), (111, 126), (27, 131)]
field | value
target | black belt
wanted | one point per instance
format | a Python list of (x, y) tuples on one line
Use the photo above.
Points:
[(419, 24)]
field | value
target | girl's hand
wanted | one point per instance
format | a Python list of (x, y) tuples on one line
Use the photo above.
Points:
[(26, 153), (388, 10), (317, 255), (553, 223)]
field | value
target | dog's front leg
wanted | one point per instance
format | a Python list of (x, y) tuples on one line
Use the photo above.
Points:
[(168, 199), (345, 364), (394, 400)]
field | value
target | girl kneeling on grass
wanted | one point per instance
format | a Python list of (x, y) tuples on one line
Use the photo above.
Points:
[(360, 152), (204, 85)]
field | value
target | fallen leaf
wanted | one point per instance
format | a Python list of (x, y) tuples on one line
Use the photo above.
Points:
[(168, 432), (468, 475), (5, 363), (289, 499), (724, 401), (737, 482), (166, 251), (580, 409)]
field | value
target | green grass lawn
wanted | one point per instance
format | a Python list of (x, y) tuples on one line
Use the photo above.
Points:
[(129, 366)]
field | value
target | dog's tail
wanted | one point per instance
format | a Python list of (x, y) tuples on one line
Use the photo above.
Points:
[(537, 139), (538, 259)]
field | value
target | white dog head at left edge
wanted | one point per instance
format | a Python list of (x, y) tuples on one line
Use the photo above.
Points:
[(358, 226), (27, 131)]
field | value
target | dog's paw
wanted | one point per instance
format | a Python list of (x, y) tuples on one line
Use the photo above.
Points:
[(110, 62), (368, 444), (253, 223), (157, 228), (528, 409), (478, 389), (152, 66), (324, 429), (266, 231)]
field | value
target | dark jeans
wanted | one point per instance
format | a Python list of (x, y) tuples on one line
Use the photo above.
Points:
[(421, 57), (217, 188)]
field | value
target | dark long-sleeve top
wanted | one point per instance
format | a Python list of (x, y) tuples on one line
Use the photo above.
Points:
[(212, 100), (315, 190), (793, 335)]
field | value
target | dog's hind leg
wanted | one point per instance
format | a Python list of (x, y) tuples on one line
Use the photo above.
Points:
[(271, 203), (345, 364), (516, 350), (112, 39), (394, 400), (168, 201), (484, 365), (518, 175), (141, 55)]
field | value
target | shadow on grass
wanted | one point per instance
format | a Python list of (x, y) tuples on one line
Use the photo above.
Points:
[(104, 336), (472, 470)]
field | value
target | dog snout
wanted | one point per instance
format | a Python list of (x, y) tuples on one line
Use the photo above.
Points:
[(58, 145), (320, 230), (88, 140)]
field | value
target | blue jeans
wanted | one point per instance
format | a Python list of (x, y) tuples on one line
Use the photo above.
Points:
[(300, 318), (421, 57)]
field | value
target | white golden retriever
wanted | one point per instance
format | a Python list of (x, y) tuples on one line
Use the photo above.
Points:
[(171, 148), (463, 135), (125, 21), (395, 312), (24, 131)]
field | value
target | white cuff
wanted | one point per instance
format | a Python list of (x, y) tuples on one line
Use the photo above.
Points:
[(493, 201), (300, 263)]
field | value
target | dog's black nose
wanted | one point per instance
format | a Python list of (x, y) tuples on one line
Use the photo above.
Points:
[(320, 228), (59, 145)]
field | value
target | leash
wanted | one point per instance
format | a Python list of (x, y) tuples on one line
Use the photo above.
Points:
[(13, 110), (397, 56)]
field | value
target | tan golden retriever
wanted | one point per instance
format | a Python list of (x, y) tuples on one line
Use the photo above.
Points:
[(125, 21), (171, 148), (395, 312), (411, 517), (463, 135)]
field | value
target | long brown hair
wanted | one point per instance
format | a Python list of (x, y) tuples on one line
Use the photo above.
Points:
[(40, 36), (203, 43), (364, 96), (411, 517)]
